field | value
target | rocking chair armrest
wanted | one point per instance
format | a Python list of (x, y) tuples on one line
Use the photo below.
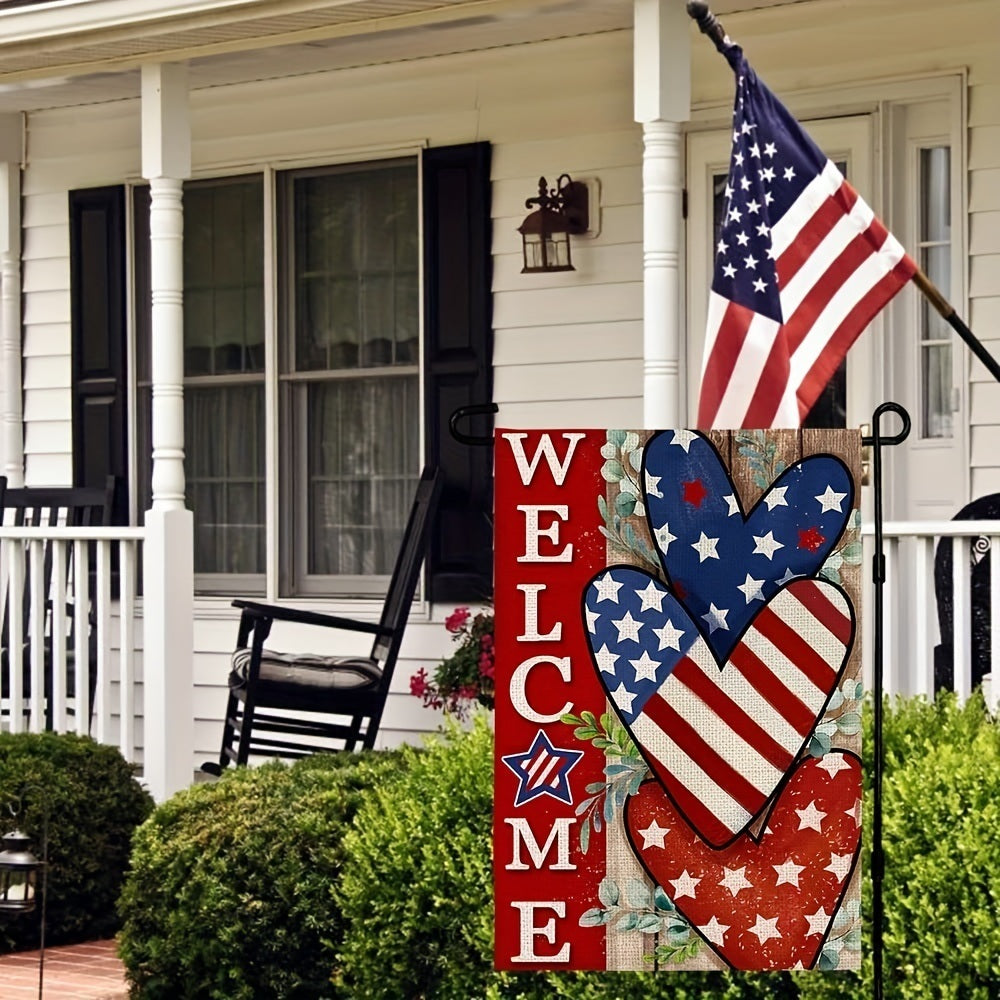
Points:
[(274, 612)]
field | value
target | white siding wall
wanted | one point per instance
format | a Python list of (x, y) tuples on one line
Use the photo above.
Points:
[(561, 340)]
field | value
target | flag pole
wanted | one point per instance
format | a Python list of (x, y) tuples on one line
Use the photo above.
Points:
[(709, 25), (948, 314)]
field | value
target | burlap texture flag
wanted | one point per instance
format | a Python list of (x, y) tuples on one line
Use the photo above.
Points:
[(678, 780)]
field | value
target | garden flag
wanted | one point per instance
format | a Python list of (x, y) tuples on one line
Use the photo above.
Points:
[(677, 773), (801, 267)]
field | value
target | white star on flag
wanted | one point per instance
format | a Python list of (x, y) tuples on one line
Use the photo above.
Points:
[(664, 538), (831, 500), (788, 873), (684, 886), (735, 879), (776, 498), (734, 504), (645, 667), (818, 922), (628, 627), (623, 698), (669, 636), (706, 547), (840, 865), (714, 931), (653, 835), (765, 929), (751, 589), (716, 618), (811, 818), (606, 660), (652, 597), (653, 486), (766, 545), (683, 439), (833, 764), (607, 588)]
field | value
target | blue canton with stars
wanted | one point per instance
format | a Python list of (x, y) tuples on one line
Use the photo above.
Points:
[(773, 160), (626, 609), (724, 564)]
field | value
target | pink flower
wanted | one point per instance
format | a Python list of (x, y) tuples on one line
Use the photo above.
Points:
[(454, 622), (418, 683)]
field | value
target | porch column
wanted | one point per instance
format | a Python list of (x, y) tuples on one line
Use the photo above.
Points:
[(662, 88), (11, 431), (168, 565)]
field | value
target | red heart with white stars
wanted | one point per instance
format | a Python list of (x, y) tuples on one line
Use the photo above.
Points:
[(768, 902)]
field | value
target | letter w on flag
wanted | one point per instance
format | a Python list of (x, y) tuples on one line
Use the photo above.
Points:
[(801, 267)]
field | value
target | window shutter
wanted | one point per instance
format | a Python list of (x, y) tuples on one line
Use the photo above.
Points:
[(97, 310), (458, 365)]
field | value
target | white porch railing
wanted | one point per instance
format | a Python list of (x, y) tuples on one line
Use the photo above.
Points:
[(913, 625), (71, 633)]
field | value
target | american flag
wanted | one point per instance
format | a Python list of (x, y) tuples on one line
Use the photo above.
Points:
[(801, 267)]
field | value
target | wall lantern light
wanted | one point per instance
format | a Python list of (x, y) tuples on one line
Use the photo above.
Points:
[(563, 211)]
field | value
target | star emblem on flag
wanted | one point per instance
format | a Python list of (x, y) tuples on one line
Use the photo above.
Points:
[(543, 769)]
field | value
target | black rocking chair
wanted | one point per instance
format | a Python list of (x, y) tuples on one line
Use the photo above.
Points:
[(310, 684), (51, 506)]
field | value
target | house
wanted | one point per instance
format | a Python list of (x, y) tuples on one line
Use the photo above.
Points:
[(254, 252)]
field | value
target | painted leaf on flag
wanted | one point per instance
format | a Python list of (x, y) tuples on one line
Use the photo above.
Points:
[(801, 267), (677, 774)]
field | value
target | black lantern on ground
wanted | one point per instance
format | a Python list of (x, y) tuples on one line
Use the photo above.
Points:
[(19, 873), (563, 211)]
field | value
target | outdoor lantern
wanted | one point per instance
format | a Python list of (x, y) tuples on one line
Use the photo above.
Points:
[(19, 870), (563, 211)]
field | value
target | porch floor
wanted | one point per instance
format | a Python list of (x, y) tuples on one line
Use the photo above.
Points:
[(74, 972)]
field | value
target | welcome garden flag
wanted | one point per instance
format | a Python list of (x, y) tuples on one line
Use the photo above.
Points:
[(677, 774)]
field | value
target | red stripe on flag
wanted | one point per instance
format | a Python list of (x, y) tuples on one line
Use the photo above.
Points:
[(703, 753), (814, 231), (726, 349), (815, 598), (866, 309), (714, 698), (798, 650), (773, 690), (693, 809)]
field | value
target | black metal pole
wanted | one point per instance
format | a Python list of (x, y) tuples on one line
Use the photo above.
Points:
[(878, 441)]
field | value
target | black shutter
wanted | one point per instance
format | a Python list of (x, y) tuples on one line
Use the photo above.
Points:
[(458, 364), (97, 309)]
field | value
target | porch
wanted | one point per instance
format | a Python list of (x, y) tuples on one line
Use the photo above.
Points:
[(935, 617)]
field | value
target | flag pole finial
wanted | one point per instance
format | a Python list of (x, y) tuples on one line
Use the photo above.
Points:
[(707, 22)]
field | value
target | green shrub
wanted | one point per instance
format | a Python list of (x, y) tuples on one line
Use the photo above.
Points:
[(417, 896), (93, 804), (941, 834), (229, 895)]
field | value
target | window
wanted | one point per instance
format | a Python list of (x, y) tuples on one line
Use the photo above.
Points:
[(317, 421), (350, 387), (934, 252)]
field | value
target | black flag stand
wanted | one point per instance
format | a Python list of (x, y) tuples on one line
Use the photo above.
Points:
[(877, 441)]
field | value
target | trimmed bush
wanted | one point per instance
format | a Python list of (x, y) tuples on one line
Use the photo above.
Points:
[(229, 896), (93, 804), (941, 833), (417, 896)]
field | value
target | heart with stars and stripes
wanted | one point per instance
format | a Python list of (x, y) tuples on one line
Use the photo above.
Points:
[(719, 741), (767, 902), (725, 564)]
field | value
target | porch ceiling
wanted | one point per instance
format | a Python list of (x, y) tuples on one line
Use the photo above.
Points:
[(57, 53)]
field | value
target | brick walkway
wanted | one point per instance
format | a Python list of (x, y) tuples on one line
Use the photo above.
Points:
[(74, 972)]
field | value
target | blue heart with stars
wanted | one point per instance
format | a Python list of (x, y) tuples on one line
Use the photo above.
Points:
[(725, 564)]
